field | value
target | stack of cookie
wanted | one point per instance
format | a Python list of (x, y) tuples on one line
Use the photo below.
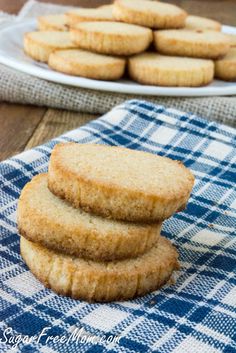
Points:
[(157, 42), (90, 228)]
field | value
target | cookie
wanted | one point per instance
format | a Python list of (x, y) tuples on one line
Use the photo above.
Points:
[(198, 43), (118, 182), (232, 39), (197, 22), (52, 23), (39, 45), (111, 37), (101, 281), (156, 69), (225, 68), (151, 14), (79, 62), (102, 13), (46, 219)]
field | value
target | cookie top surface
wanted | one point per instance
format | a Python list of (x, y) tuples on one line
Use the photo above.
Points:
[(113, 28), (152, 14), (58, 22), (197, 22), (173, 63), (85, 57), (41, 201), (51, 38), (163, 253), (193, 36), (150, 7), (124, 169)]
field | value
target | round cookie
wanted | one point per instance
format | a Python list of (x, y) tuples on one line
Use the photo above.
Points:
[(46, 219), (79, 62), (118, 182), (225, 68), (197, 22), (52, 23), (99, 281), (102, 13), (147, 13), (111, 37), (39, 45), (198, 43), (156, 69)]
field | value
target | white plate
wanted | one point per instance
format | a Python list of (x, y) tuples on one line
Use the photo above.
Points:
[(11, 54)]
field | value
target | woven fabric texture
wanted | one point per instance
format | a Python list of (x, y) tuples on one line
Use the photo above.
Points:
[(197, 313), (22, 88)]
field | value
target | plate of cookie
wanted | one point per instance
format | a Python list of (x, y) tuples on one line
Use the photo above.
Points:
[(138, 47)]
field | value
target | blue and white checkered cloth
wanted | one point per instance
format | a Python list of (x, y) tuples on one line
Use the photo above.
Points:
[(195, 315)]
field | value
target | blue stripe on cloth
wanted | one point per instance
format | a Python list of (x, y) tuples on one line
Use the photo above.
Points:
[(197, 314)]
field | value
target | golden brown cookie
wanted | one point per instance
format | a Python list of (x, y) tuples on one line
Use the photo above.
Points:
[(193, 43), (52, 23), (80, 62), (147, 13), (197, 22), (161, 70), (232, 39), (225, 68), (118, 182), (113, 38), (39, 45), (46, 219), (101, 281), (102, 13)]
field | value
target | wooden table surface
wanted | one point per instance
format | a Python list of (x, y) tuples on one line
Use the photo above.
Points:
[(24, 126)]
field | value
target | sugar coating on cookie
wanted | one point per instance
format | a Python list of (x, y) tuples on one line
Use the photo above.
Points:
[(147, 13), (39, 45), (52, 23), (197, 22), (194, 43), (99, 281), (102, 13), (113, 38), (118, 182), (46, 219), (156, 69), (225, 68), (80, 62)]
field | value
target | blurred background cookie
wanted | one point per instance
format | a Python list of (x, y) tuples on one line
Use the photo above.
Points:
[(39, 45), (113, 38), (160, 70), (83, 63)]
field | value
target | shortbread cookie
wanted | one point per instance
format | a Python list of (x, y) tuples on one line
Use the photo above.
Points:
[(46, 219), (232, 39), (118, 182), (52, 23), (101, 281), (198, 43), (151, 14), (79, 62), (225, 68), (102, 13), (156, 69), (111, 37), (197, 22), (39, 45)]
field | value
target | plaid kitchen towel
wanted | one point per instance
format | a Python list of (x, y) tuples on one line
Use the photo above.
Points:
[(197, 313)]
